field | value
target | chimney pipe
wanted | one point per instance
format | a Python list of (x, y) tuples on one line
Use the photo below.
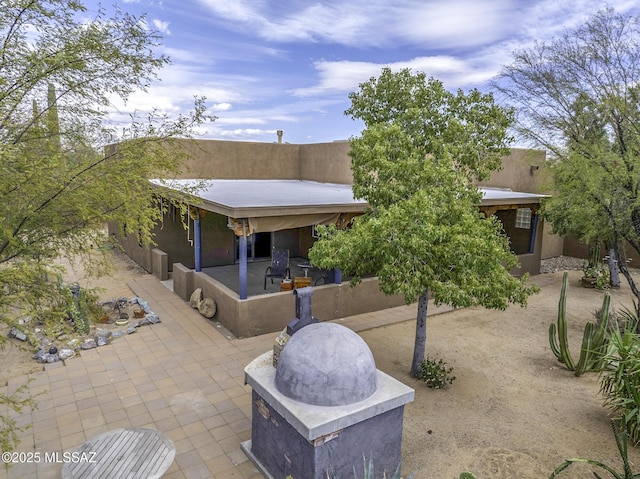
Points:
[(279, 136)]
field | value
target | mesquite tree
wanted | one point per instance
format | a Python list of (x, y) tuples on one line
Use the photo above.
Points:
[(60, 72), (578, 96), (415, 164)]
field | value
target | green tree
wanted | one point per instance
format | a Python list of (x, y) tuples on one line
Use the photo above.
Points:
[(59, 75), (415, 164), (578, 97)]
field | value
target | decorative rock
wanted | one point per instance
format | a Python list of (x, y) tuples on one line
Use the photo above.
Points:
[(39, 355), (153, 318), (131, 330), (143, 304), (53, 350), (207, 307), (103, 333), (64, 354), (101, 341), (88, 344), (16, 333), (196, 298), (52, 358), (117, 334)]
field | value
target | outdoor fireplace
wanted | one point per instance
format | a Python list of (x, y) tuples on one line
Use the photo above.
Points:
[(324, 407)]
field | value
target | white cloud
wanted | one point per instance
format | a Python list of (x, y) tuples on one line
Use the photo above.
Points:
[(364, 23), (345, 76), (221, 107), (162, 27)]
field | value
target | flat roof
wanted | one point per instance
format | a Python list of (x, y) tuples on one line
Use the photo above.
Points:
[(254, 198), (505, 196), (258, 198)]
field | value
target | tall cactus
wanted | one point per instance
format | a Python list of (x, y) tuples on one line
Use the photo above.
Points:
[(594, 339)]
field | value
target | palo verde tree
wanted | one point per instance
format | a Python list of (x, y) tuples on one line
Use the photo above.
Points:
[(415, 164), (60, 71), (578, 96)]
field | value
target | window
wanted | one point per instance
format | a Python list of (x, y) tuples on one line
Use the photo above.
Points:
[(523, 218)]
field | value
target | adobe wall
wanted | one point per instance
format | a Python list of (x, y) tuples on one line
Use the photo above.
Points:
[(326, 162), (238, 159), (519, 172), (267, 313)]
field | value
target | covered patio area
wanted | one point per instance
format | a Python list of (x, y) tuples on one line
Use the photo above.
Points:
[(229, 276)]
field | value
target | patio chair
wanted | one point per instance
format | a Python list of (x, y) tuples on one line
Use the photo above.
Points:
[(279, 266)]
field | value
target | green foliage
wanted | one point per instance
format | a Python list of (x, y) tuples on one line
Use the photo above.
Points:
[(83, 309), (415, 164), (436, 374), (620, 380), (17, 402), (594, 339), (621, 443), (594, 269), (577, 97), (467, 475), (59, 77)]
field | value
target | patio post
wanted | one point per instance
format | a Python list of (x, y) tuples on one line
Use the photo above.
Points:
[(196, 242), (243, 261), (534, 230)]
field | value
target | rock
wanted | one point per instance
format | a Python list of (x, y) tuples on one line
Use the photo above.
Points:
[(196, 298), (88, 344), (16, 333), (53, 350), (103, 333), (52, 358), (39, 355), (131, 330), (117, 334), (143, 304), (207, 307), (102, 341), (153, 318), (66, 354)]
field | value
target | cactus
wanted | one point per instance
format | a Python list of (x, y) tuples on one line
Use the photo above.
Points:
[(594, 339)]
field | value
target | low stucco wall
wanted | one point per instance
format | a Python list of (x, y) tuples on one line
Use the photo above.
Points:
[(269, 313)]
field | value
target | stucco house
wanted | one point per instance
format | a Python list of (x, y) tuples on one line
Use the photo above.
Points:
[(261, 196)]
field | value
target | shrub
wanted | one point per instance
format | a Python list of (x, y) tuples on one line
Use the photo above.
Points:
[(436, 374), (621, 442), (620, 381)]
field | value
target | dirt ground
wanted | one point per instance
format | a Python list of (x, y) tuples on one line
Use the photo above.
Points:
[(513, 411)]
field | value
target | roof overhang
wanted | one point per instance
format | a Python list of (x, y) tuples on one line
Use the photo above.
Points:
[(264, 198)]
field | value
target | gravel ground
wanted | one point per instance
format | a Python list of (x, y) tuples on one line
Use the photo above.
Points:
[(561, 263)]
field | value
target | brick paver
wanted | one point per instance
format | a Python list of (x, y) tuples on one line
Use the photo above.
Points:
[(181, 377)]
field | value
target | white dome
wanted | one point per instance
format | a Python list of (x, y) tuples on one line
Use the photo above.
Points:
[(326, 364)]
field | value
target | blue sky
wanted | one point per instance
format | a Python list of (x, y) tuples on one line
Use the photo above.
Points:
[(267, 65)]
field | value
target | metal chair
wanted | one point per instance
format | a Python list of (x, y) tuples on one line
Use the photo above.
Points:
[(279, 266)]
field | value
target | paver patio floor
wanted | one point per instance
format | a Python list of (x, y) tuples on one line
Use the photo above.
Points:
[(181, 377)]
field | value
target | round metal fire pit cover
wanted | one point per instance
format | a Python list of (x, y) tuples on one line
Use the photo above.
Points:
[(326, 364)]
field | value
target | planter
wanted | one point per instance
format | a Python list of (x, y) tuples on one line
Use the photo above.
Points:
[(589, 282), (286, 285)]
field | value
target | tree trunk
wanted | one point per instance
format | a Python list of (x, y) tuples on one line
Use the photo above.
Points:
[(421, 335), (614, 276)]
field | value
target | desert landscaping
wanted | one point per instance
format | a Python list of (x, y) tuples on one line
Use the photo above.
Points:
[(513, 411)]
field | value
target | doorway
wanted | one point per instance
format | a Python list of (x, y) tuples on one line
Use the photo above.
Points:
[(258, 246)]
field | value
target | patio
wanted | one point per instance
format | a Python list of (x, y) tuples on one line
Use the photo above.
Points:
[(181, 377), (229, 275)]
